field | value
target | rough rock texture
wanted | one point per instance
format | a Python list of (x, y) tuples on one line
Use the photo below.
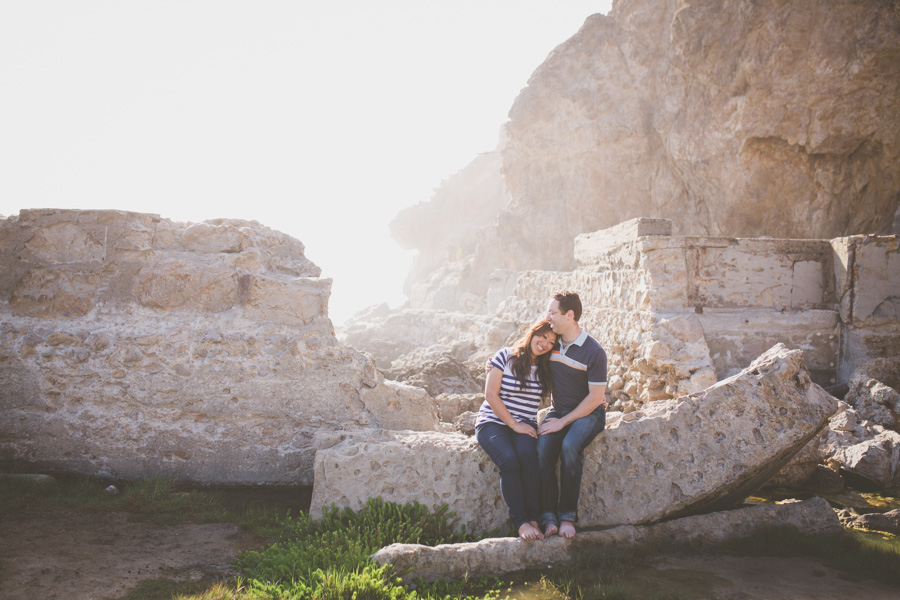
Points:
[(133, 346), (674, 313), (862, 438), (437, 372), (696, 454), (455, 405), (874, 391), (888, 522), (731, 118), (867, 276), (497, 556), (712, 113)]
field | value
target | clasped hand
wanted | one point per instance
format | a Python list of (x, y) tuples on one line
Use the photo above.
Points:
[(550, 425)]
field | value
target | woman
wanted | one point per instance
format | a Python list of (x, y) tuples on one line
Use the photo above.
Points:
[(506, 427)]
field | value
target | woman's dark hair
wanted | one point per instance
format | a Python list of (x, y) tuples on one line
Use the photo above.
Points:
[(522, 359)]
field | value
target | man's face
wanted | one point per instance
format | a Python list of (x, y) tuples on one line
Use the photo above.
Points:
[(557, 319)]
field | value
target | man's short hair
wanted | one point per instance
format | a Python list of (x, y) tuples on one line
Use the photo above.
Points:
[(568, 301)]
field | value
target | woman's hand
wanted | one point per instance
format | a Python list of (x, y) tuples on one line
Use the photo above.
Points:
[(524, 429)]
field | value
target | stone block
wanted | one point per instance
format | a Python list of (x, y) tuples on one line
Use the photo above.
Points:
[(691, 455)]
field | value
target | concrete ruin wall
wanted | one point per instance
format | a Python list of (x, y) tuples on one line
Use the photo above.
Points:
[(677, 313), (133, 346), (867, 285)]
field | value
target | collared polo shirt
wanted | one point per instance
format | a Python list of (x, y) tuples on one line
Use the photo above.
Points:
[(581, 365)]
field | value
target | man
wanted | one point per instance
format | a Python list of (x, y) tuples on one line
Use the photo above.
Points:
[(576, 417)]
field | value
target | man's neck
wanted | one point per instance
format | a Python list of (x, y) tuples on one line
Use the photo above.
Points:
[(571, 335)]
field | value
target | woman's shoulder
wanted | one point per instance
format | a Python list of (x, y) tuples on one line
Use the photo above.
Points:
[(502, 355)]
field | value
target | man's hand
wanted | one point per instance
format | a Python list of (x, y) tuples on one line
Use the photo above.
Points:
[(550, 425)]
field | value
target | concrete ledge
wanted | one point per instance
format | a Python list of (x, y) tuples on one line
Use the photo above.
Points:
[(497, 556)]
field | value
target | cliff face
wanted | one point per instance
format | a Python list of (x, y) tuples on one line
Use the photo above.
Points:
[(133, 346), (742, 119), (446, 232)]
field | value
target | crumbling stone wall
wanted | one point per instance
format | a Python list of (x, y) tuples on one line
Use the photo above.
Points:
[(133, 346), (677, 313), (867, 275)]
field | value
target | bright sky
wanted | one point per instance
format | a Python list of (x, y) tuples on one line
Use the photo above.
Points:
[(318, 119)]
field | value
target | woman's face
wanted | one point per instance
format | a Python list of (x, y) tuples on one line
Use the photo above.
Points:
[(542, 343)]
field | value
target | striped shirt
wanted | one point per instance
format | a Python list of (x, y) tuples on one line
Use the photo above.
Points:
[(522, 403)]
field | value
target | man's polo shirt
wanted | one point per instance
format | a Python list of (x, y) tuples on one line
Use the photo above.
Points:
[(580, 365)]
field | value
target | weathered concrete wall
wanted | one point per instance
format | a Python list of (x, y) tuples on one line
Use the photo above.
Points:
[(676, 313), (133, 346), (867, 275)]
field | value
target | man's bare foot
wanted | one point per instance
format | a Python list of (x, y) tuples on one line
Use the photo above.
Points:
[(550, 529), (567, 529), (529, 531)]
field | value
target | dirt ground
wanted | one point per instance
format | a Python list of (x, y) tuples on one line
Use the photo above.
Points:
[(761, 578), (97, 555)]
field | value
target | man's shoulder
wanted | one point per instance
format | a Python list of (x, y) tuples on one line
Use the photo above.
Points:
[(590, 343)]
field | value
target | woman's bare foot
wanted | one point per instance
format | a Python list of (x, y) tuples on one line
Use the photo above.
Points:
[(529, 531), (550, 529), (566, 529)]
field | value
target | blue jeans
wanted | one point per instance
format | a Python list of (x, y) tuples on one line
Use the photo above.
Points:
[(560, 502), (516, 456)]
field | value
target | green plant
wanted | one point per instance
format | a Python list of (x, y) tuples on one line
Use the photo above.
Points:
[(329, 558)]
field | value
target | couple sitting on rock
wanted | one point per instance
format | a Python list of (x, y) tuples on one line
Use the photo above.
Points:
[(553, 359)]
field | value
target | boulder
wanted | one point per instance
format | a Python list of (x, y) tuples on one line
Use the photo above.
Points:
[(134, 346), (862, 438), (874, 392), (877, 459), (888, 522), (696, 454), (438, 373), (495, 557), (454, 405)]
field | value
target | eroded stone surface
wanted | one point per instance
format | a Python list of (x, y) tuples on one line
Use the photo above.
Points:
[(497, 556), (694, 454), (134, 346)]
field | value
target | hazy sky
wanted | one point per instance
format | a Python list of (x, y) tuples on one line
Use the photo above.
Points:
[(319, 119)]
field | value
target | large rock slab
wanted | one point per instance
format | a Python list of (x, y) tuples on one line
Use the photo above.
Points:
[(698, 453), (133, 346), (498, 556)]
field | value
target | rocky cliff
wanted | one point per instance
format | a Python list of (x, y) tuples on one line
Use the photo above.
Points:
[(133, 346), (771, 118)]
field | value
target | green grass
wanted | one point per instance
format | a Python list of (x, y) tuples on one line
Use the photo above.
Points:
[(165, 589), (329, 557)]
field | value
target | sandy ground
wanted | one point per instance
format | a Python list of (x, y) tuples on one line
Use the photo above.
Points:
[(97, 555)]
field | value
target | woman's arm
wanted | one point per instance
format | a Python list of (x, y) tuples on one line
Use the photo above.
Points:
[(492, 395)]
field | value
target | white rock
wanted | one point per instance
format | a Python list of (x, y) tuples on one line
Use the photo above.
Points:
[(678, 457)]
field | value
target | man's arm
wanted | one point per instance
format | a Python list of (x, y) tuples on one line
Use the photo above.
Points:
[(596, 397)]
